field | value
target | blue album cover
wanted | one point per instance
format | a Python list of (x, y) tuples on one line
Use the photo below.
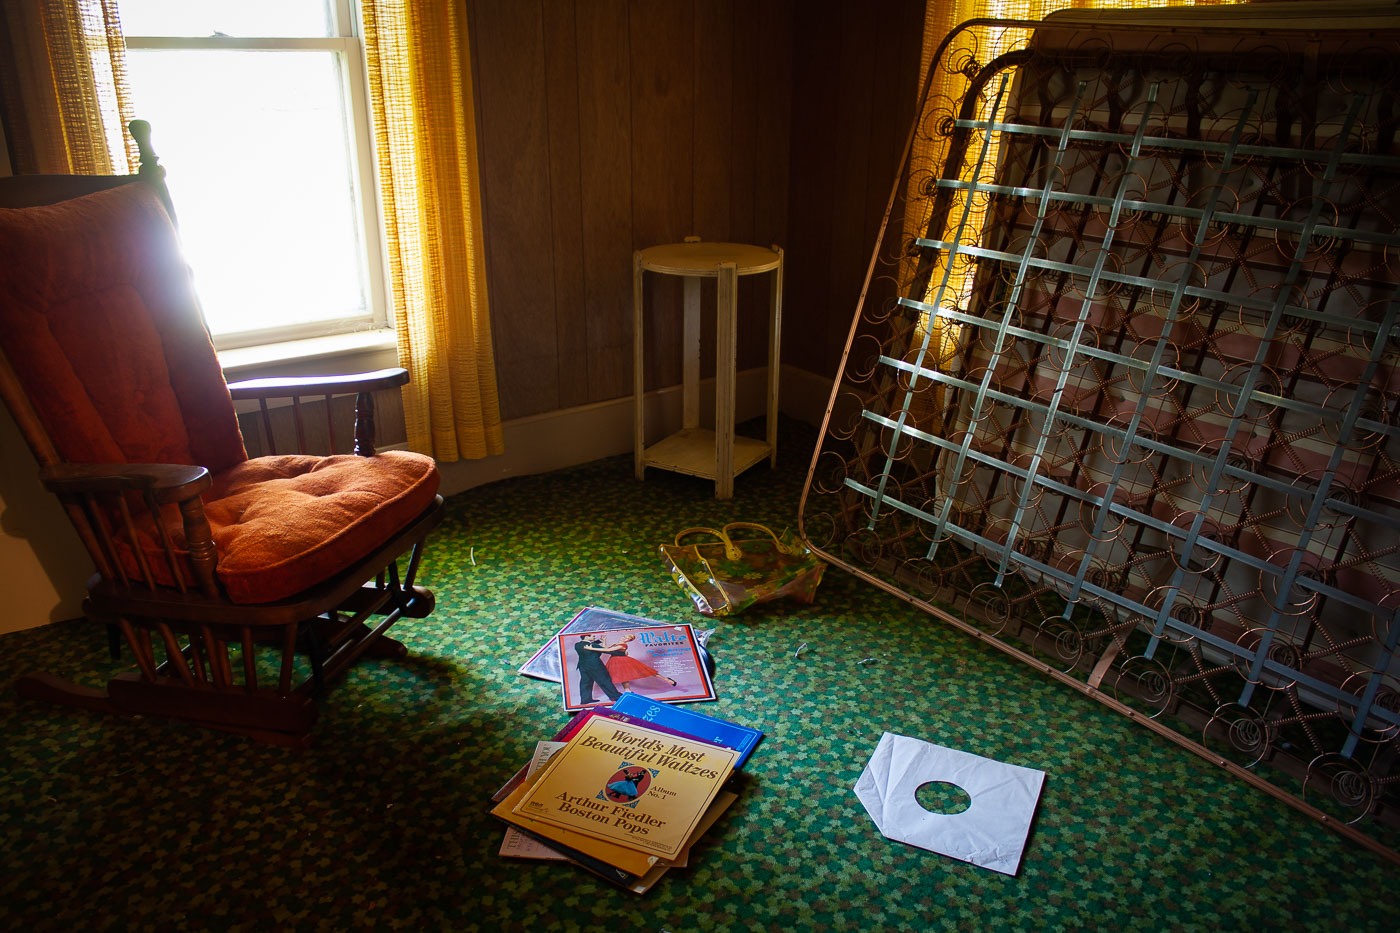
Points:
[(706, 728)]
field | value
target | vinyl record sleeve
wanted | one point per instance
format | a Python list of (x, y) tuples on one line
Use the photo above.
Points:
[(662, 662)]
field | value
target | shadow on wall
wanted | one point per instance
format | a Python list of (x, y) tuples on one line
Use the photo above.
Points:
[(45, 562)]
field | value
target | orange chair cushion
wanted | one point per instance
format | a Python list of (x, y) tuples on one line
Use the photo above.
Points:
[(284, 524), (100, 323)]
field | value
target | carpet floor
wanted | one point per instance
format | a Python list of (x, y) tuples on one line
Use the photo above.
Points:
[(133, 824)]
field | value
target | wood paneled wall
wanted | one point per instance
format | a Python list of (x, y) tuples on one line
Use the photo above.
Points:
[(855, 80), (608, 126)]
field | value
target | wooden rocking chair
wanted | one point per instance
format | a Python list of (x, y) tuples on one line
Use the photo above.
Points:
[(202, 554)]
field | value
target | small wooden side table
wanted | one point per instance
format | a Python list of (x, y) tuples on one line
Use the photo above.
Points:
[(717, 454)]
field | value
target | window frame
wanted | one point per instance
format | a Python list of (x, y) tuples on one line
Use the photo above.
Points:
[(348, 44)]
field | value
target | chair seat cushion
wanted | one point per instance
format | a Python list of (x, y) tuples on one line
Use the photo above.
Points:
[(284, 524)]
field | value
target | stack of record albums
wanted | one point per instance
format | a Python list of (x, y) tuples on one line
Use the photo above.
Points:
[(629, 785)]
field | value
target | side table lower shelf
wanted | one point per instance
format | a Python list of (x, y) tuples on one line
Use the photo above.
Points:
[(692, 451)]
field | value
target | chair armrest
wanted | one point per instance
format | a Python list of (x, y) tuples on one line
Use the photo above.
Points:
[(88, 489), (362, 385), (319, 385), (169, 482)]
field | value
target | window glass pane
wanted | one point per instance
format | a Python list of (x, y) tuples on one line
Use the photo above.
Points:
[(255, 149), (262, 18)]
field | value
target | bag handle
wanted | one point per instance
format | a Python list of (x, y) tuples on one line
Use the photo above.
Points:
[(730, 551), (782, 548)]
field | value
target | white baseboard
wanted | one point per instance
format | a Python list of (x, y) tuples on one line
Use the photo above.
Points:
[(571, 436)]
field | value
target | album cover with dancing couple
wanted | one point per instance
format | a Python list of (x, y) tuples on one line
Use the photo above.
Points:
[(661, 662)]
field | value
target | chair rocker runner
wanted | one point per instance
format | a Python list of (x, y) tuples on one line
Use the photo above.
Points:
[(202, 553)]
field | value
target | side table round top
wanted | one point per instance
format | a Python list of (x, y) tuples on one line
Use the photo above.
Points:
[(702, 258)]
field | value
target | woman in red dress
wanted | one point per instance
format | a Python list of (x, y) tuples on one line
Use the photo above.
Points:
[(623, 669)]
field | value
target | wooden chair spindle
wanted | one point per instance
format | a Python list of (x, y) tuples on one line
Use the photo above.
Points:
[(267, 427), (174, 656), (301, 430), (165, 543), (135, 542), (82, 521), (140, 642), (218, 658), (289, 650), (98, 520), (330, 424), (250, 670), (199, 541), (196, 656), (364, 424)]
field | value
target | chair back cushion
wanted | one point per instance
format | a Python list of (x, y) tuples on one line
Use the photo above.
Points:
[(100, 323)]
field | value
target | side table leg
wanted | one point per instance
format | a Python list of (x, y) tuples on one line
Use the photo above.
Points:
[(775, 352), (726, 352), (690, 354), (639, 412)]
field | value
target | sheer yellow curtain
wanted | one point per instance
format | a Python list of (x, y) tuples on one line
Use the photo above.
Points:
[(425, 135), (940, 18), (64, 89)]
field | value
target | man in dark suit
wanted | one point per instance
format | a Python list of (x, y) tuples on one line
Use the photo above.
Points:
[(591, 669)]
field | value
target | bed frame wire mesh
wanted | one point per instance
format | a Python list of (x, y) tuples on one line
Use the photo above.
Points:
[(1125, 404)]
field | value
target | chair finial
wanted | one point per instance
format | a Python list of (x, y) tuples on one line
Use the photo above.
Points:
[(150, 170)]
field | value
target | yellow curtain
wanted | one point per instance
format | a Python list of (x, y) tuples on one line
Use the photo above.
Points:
[(425, 135), (64, 89), (940, 18)]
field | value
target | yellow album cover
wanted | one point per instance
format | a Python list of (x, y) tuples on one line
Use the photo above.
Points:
[(627, 860), (630, 785), (722, 801)]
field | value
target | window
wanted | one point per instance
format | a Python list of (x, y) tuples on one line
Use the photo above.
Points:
[(258, 113)]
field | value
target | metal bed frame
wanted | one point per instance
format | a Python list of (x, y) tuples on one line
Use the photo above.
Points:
[(1126, 404)]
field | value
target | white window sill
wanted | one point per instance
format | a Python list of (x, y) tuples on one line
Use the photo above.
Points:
[(361, 351)]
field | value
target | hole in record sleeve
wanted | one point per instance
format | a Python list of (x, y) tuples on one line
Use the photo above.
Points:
[(942, 797)]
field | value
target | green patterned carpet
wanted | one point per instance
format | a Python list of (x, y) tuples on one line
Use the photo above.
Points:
[(137, 824)]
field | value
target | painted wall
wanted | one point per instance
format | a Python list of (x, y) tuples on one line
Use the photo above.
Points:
[(45, 563)]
